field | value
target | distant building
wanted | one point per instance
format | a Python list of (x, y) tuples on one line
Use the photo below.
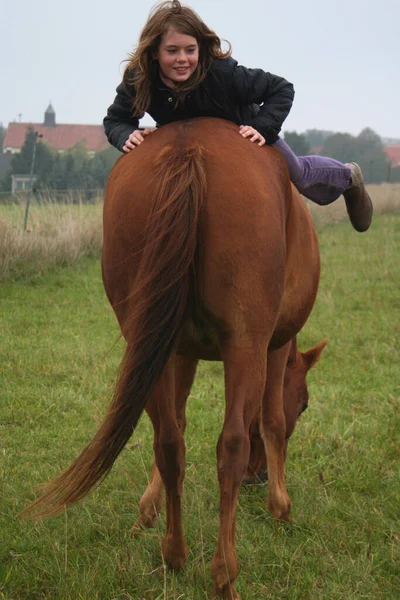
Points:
[(393, 154), (61, 137), (22, 183)]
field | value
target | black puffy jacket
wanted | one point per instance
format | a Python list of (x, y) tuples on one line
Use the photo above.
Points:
[(229, 91)]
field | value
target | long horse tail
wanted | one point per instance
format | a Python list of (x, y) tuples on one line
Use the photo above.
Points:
[(160, 298)]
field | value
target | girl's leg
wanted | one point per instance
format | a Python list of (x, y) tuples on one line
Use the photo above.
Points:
[(319, 178), (323, 180)]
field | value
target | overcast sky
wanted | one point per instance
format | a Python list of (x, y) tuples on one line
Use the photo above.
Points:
[(343, 56)]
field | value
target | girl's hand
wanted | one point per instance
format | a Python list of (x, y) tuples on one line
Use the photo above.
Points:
[(247, 131), (135, 139)]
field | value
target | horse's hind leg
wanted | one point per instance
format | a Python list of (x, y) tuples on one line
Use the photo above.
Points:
[(169, 451), (245, 372), (273, 430), (151, 502), (256, 471)]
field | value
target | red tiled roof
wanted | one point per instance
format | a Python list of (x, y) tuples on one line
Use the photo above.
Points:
[(393, 154), (60, 137)]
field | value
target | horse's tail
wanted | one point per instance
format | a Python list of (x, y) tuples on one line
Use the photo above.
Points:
[(160, 298)]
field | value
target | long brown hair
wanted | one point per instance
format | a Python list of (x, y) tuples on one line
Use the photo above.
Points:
[(162, 17)]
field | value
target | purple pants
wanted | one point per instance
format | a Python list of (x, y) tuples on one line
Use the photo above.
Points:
[(319, 178)]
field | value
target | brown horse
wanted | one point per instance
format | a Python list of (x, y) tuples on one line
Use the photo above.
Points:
[(209, 253)]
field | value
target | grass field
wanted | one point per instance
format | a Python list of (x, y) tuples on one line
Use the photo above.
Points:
[(58, 234), (59, 356)]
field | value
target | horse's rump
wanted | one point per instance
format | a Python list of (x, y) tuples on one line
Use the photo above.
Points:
[(242, 227)]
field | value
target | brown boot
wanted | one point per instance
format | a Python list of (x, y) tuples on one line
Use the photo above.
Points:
[(358, 201)]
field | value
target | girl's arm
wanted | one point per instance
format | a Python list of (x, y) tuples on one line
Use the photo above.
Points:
[(119, 122), (273, 94)]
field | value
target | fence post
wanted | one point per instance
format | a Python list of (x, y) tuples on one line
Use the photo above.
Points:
[(28, 200)]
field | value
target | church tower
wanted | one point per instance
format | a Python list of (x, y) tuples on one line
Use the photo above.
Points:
[(49, 117)]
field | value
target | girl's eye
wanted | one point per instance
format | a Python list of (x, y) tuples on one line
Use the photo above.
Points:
[(173, 51)]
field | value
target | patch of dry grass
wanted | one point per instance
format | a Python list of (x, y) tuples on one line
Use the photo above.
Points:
[(60, 233), (57, 234), (385, 198)]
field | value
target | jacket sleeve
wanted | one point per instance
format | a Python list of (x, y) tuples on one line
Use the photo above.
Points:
[(119, 122), (273, 94)]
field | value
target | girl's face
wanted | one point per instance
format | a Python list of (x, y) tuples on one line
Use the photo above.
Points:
[(178, 56)]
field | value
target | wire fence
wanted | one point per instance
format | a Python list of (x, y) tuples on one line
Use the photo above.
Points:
[(47, 196)]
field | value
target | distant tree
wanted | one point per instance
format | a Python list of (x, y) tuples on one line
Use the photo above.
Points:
[(394, 175), (77, 166), (297, 142), (316, 137), (76, 169), (341, 146), (109, 155), (2, 135), (366, 149), (371, 156), (101, 165), (70, 169), (22, 161)]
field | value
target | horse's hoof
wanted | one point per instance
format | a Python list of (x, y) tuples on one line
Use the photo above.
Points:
[(137, 529), (280, 509), (228, 592), (141, 525), (175, 555)]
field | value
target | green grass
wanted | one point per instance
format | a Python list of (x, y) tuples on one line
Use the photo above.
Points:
[(58, 365)]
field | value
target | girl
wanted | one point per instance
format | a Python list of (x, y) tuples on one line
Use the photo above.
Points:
[(179, 71)]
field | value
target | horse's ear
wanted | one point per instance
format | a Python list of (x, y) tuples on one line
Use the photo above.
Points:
[(312, 356)]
